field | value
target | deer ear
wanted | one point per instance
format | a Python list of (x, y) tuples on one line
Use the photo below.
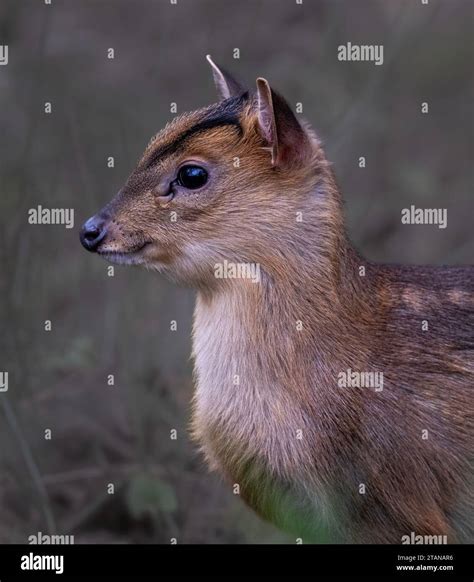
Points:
[(287, 141), (225, 83)]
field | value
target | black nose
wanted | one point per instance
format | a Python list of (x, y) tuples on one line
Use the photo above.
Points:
[(92, 232)]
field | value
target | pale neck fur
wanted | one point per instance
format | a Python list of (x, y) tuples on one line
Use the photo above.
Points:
[(261, 348)]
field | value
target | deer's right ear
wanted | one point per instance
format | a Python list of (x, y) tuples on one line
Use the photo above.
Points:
[(225, 83), (287, 142)]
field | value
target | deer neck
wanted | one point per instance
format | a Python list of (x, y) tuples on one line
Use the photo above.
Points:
[(311, 287), (264, 349)]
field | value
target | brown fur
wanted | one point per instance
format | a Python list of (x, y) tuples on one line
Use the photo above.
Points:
[(268, 355)]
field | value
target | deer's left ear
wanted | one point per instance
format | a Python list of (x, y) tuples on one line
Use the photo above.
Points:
[(225, 83), (287, 141)]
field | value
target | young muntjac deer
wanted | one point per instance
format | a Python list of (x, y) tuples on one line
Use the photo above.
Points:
[(336, 393)]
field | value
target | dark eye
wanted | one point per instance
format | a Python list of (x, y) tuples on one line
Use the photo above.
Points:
[(192, 177)]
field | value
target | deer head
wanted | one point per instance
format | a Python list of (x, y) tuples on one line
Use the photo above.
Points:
[(222, 182)]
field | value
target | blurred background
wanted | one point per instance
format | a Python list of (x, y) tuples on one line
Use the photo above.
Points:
[(120, 325)]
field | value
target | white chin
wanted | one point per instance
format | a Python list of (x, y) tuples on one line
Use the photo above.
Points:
[(122, 258)]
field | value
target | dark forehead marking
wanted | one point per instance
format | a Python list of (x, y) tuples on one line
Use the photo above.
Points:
[(224, 113)]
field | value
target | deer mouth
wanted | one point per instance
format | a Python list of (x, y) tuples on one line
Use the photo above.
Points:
[(133, 256)]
